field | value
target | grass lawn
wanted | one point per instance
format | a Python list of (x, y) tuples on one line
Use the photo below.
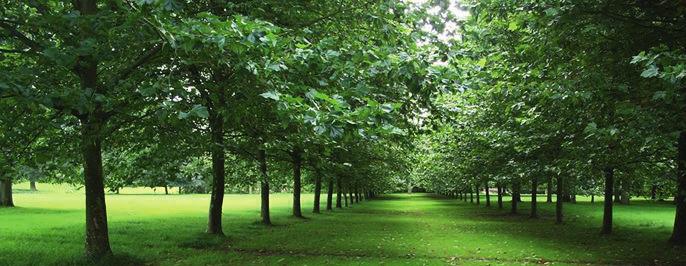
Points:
[(47, 229)]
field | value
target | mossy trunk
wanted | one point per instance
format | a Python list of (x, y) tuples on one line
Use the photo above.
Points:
[(607, 211)]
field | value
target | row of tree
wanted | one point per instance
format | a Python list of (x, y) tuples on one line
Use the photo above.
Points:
[(117, 93), (572, 97)]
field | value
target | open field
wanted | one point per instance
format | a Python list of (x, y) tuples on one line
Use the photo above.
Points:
[(47, 228)]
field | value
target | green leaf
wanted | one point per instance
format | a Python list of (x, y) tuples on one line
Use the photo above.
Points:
[(650, 72), (271, 95)]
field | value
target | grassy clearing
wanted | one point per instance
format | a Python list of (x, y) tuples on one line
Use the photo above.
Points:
[(47, 229)]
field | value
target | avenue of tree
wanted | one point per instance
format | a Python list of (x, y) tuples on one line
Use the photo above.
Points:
[(345, 97)]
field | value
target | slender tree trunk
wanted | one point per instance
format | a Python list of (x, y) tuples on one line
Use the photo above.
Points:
[(471, 197), (478, 197), (679, 231), (618, 191), (296, 156), (500, 196), (264, 188), (357, 196), (559, 200), (534, 194), (345, 198), (214, 224), (488, 195), (607, 212), (464, 198), (515, 200), (592, 198), (338, 193), (329, 195), (549, 190), (6, 198), (653, 192), (166, 190), (317, 190), (97, 236), (33, 186), (352, 199)]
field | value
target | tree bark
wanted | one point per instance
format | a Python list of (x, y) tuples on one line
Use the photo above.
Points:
[(317, 190), (357, 196), (549, 190), (166, 190), (679, 232), (478, 198), (515, 200), (329, 195), (214, 224), (607, 212), (534, 194), (345, 198), (264, 188), (558, 202), (33, 186), (500, 196), (297, 187), (6, 198), (471, 197), (488, 195), (97, 235), (338, 193), (352, 198)]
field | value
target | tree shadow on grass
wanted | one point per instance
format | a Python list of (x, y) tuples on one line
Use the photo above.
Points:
[(579, 235)]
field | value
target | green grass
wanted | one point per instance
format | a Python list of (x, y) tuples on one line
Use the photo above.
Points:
[(47, 229)]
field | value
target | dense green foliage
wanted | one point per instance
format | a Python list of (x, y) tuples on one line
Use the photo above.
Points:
[(349, 97)]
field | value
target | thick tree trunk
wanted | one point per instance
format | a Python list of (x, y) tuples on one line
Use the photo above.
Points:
[(515, 200), (558, 202), (317, 191), (97, 236), (32, 184), (679, 231), (653, 192), (549, 190), (500, 196), (329, 195), (607, 212), (488, 195), (264, 188), (214, 224), (339, 198), (6, 198), (297, 187), (534, 194)]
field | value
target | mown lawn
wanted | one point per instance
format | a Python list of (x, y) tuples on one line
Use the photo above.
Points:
[(47, 229)]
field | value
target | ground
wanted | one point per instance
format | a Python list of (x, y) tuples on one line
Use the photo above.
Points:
[(417, 229)]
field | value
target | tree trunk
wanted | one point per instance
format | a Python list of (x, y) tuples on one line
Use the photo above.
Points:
[(679, 231), (166, 190), (478, 198), (592, 198), (471, 197), (329, 195), (352, 199), (500, 196), (515, 200), (264, 188), (214, 224), (97, 235), (357, 196), (534, 194), (345, 198), (464, 198), (618, 191), (653, 192), (297, 163), (558, 203), (549, 190), (488, 195), (33, 186), (607, 212), (317, 190), (6, 198), (338, 193)]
